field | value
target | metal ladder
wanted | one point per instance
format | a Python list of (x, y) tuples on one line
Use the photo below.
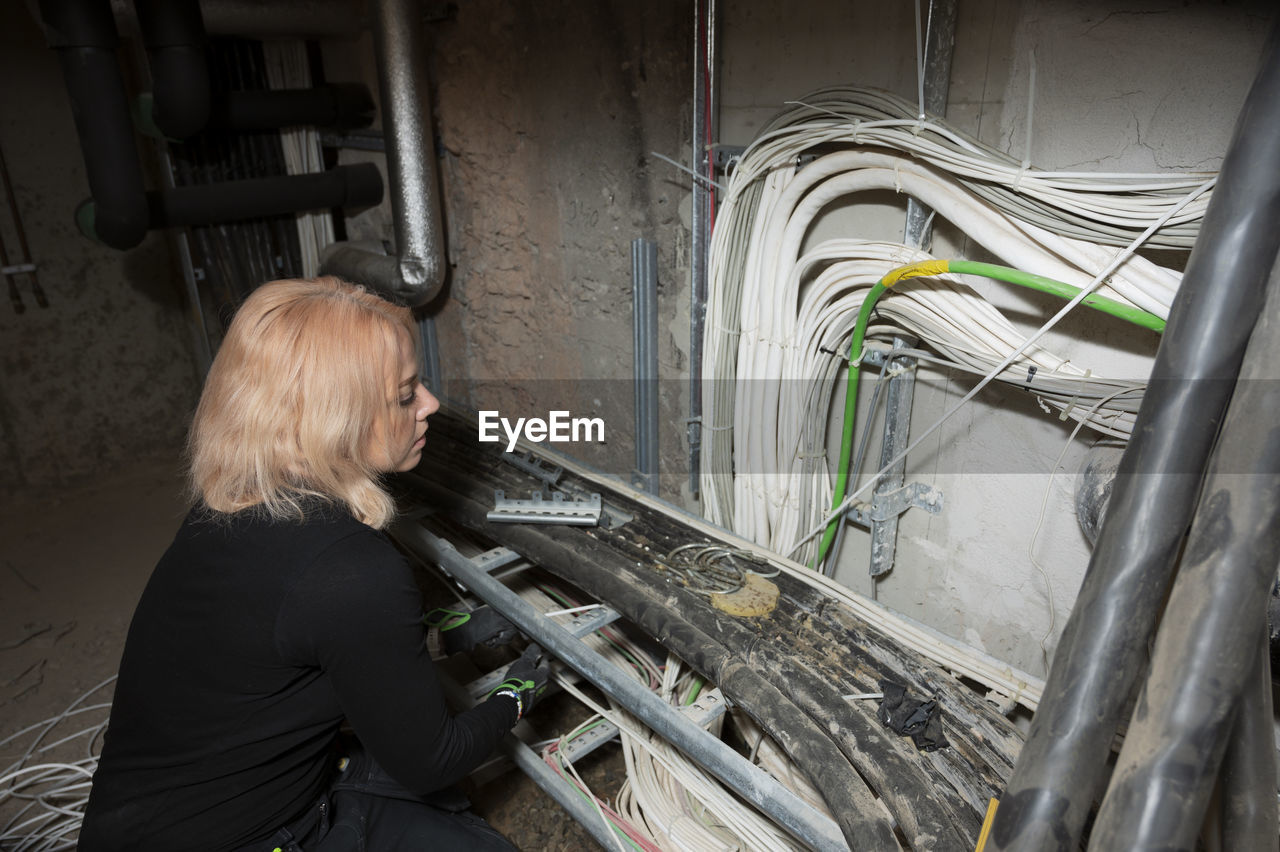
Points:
[(682, 727)]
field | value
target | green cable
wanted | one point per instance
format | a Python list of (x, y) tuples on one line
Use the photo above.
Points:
[(1137, 316), (698, 683), (850, 415)]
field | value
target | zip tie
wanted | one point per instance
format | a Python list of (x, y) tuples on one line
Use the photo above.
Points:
[(1017, 178), (897, 179), (1071, 405)]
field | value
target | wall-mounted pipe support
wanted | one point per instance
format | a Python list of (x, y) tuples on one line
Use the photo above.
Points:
[(417, 272)]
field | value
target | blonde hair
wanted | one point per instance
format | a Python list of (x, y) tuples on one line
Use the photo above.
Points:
[(289, 408)]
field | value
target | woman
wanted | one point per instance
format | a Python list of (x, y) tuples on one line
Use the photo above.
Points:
[(281, 610)]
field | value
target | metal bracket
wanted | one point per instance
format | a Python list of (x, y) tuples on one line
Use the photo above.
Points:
[(891, 504), (711, 705), (557, 510), (493, 559), (536, 467)]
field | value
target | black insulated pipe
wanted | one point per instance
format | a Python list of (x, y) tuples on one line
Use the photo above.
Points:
[(357, 185), (1063, 764), (1211, 633), (173, 33), (341, 106), (83, 32), (416, 274), (1249, 818)]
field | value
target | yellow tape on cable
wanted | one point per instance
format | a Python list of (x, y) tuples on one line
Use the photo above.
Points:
[(922, 269)]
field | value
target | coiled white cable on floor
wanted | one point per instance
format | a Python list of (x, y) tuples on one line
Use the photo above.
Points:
[(42, 804)]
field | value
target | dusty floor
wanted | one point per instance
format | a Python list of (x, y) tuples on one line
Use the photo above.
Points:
[(73, 568)]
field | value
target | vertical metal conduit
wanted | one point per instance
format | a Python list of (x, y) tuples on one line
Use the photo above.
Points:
[(939, 47), (417, 272), (644, 322), (1064, 762), (704, 29)]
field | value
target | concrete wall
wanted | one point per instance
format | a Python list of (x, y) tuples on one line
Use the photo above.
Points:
[(104, 376), (546, 116), (1148, 86)]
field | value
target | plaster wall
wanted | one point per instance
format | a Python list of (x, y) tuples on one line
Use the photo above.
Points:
[(1151, 86), (546, 118), (104, 376)]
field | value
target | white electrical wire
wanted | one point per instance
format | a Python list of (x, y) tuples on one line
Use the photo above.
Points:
[(42, 804), (666, 797), (287, 68), (774, 316), (1030, 341)]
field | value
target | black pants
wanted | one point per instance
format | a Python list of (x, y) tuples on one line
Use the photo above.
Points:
[(365, 810)]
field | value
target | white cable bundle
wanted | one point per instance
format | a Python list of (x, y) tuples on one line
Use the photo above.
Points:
[(1102, 207), (43, 803), (286, 64), (666, 796), (780, 381)]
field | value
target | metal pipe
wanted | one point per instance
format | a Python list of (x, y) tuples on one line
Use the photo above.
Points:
[(531, 764), (1064, 762), (557, 788), (1208, 642), (939, 47), (703, 205), (644, 320), (758, 788), (417, 272)]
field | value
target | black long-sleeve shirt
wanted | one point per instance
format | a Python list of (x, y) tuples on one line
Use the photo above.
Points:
[(252, 642)]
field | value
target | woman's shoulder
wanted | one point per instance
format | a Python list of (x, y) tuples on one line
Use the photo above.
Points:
[(317, 526)]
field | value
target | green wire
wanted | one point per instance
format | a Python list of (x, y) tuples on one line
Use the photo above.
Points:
[(698, 683), (1137, 316), (850, 415)]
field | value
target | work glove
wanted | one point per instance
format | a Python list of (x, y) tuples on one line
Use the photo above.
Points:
[(526, 680), (462, 631)]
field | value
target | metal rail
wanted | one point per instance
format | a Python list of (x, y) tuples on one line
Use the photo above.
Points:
[(746, 779)]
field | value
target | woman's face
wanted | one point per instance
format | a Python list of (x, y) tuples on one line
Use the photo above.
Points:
[(399, 435)]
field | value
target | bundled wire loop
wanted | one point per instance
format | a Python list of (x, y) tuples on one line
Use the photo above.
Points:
[(777, 307)]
